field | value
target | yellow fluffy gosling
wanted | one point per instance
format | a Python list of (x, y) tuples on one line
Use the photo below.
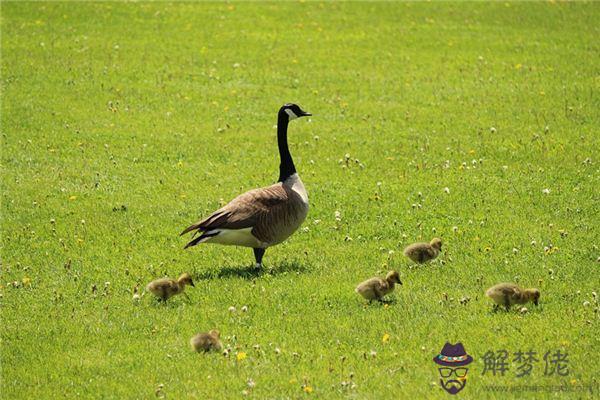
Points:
[(376, 288), (206, 341), (424, 252), (507, 294), (165, 288)]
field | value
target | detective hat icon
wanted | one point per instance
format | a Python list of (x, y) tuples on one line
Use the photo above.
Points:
[(453, 355)]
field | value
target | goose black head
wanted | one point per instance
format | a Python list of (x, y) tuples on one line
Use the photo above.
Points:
[(293, 111)]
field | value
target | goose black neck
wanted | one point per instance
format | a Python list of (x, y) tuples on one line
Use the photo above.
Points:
[(286, 166)]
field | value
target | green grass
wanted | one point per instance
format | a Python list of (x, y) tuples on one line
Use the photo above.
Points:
[(124, 123)]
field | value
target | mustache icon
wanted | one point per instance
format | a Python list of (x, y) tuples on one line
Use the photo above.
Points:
[(453, 386)]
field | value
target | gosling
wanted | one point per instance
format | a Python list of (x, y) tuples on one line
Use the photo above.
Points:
[(424, 252), (376, 288), (507, 294), (205, 342), (165, 288)]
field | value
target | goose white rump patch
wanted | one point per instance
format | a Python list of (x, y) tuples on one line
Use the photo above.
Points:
[(234, 237)]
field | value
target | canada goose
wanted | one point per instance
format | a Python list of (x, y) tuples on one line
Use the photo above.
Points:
[(424, 252), (507, 294), (206, 341), (376, 288), (263, 217), (165, 287)]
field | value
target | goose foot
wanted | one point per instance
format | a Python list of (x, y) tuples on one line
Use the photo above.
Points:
[(258, 256)]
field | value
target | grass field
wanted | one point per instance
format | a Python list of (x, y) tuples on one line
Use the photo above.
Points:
[(124, 123)]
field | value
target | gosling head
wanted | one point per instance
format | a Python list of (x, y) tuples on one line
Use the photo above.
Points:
[(214, 333), (292, 111), (436, 243), (186, 279), (394, 277), (534, 295)]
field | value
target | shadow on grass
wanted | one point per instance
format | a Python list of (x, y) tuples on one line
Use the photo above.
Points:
[(251, 272), (175, 302), (379, 303)]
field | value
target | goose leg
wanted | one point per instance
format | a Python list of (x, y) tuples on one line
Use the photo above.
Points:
[(258, 255)]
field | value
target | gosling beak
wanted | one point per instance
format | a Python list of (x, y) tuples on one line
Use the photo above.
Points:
[(399, 282), (192, 284)]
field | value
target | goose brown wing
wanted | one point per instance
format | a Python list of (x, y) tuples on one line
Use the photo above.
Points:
[(245, 211)]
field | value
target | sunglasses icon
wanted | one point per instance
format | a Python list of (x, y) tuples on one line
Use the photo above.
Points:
[(447, 372)]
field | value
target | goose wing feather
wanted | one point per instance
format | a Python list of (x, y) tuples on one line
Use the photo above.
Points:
[(245, 211)]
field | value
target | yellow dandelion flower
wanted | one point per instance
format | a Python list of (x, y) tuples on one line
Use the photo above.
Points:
[(72, 198), (293, 380), (308, 389), (573, 381), (241, 356), (385, 338), (26, 281), (471, 151), (518, 66)]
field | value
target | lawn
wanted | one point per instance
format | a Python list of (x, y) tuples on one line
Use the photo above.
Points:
[(123, 123)]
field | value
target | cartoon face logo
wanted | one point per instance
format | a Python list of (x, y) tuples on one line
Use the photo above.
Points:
[(452, 361)]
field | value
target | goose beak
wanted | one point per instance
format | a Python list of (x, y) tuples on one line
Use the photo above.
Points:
[(306, 114)]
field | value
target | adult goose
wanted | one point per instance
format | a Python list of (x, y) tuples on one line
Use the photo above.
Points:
[(264, 217)]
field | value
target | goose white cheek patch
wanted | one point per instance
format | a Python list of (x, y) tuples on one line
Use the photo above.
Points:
[(291, 114)]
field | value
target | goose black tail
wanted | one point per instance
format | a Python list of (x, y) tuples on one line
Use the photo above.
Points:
[(201, 238)]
